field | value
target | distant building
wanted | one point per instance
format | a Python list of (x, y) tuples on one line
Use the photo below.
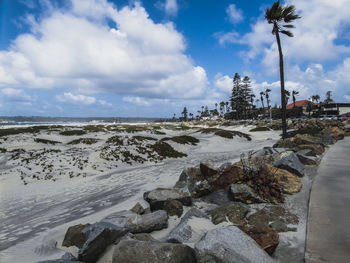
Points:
[(335, 108), (302, 104)]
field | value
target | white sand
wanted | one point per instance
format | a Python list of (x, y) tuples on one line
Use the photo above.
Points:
[(34, 216)]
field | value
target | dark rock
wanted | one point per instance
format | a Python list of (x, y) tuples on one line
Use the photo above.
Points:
[(208, 169), (306, 152), (98, 237), (135, 223), (138, 209), (173, 208), (74, 236), (233, 212), (219, 197), (60, 261), (229, 244), (290, 162), (224, 166), (335, 132), (245, 194), (279, 226), (133, 251), (157, 198), (187, 230), (266, 238)]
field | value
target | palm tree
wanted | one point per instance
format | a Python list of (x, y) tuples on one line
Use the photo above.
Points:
[(262, 99), (275, 16), (286, 95), (216, 106), (294, 93), (267, 97), (315, 97), (226, 103)]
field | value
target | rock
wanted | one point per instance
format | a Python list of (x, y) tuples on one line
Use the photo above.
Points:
[(98, 237), (288, 143), (69, 256), (245, 194), (309, 139), (188, 178), (226, 177), (229, 245), (191, 228), (327, 139), (224, 166), (159, 196), (266, 238), (306, 160), (208, 169), (335, 132), (138, 209), (306, 152), (133, 251), (315, 148), (139, 237), (219, 197), (60, 261), (268, 151), (279, 226), (290, 162), (173, 208), (135, 223), (234, 212), (74, 236), (266, 216), (289, 182)]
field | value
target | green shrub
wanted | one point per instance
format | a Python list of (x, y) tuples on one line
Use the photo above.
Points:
[(225, 133), (164, 150), (144, 138), (88, 141), (73, 132), (259, 129), (184, 139), (38, 140)]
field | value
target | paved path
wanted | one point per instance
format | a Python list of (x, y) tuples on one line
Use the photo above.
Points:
[(328, 234)]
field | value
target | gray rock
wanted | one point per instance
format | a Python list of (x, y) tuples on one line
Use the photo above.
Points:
[(184, 232), (68, 256), (138, 209), (307, 160), (157, 198), (173, 208), (268, 151), (306, 152), (135, 223), (289, 161), (233, 212), (229, 245), (133, 251), (60, 261), (245, 194), (225, 165), (98, 237)]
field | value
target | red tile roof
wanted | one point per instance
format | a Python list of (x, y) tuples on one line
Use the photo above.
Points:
[(300, 103)]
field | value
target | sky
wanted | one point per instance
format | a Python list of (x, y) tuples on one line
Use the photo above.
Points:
[(150, 58)]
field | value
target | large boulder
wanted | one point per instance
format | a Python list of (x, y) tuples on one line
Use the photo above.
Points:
[(289, 183), (158, 197), (219, 197), (266, 238), (273, 217), (245, 194), (135, 223), (306, 160), (229, 245), (290, 162), (134, 251), (138, 209), (191, 228), (98, 237), (316, 149), (193, 181), (335, 132), (233, 212), (74, 236)]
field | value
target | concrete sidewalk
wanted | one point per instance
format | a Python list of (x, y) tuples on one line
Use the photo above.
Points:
[(328, 230)]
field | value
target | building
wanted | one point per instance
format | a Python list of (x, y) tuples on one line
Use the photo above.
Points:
[(335, 108), (302, 104)]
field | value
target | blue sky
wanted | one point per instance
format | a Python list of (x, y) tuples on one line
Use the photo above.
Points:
[(151, 58)]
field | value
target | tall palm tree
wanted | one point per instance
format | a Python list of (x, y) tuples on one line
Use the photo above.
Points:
[(226, 103), (216, 106), (294, 93), (267, 97), (262, 99), (276, 15), (286, 95)]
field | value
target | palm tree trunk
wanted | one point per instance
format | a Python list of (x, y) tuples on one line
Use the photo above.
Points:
[(283, 98)]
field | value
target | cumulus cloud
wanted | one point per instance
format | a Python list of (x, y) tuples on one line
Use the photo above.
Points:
[(234, 14), (223, 82), (12, 94), (68, 97), (76, 48)]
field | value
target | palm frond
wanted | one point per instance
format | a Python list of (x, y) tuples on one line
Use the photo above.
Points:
[(288, 26), (290, 17), (288, 33)]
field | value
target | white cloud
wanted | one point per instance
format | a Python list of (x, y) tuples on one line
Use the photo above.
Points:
[(223, 83), (75, 48), (68, 97), (15, 95), (234, 14), (171, 7)]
